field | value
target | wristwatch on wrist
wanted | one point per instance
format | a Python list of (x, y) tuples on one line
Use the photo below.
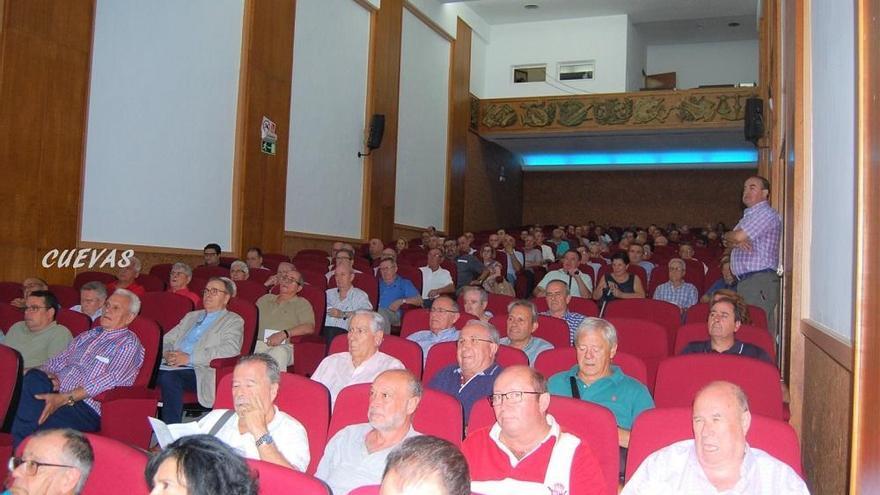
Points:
[(70, 400), (265, 439)]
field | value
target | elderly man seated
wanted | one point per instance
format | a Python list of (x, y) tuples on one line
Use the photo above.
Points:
[(126, 278), (178, 283), (514, 455), (239, 271), (579, 283), (558, 298), (344, 257), (471, 378), (395, 291), (363, 361), (54, 462), (29, 285), (475, 300), (256, 428), (436, 280), (595, 379), (59, 393), (676, 290), (522, 322), (725, 319), (444, 314), (342, 302), (717, 459), (92, 296), (356, 454), (39, 336), (282, 317), (426, 465), (283, 269), (254, 259), (202, 335)]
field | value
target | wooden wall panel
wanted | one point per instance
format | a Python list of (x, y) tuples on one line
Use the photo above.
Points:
[(634, 197), (295, 241), (149, 256), (384, 95), (45, 56), (459, 122), (259, 187), (489, 202)]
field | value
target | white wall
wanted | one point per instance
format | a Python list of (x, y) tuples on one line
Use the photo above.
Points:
[(727, 62), (327, 118), (636, 54), (833, 181), (478, 65), (161, 128), (446, 15), (420, 198), (603, 39)]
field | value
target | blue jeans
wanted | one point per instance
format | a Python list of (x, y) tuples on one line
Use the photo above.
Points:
[(173, 385), (80, 416)]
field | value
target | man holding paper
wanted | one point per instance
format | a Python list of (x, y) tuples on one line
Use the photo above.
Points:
[(189, 347), (282, 317), (256, 428)]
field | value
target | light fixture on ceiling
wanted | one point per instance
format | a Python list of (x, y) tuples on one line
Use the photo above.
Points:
[(732, 24), (531, 6)]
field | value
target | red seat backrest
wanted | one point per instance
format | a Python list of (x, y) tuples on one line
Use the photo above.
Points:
[(312, 277), (306, 400), (259, 275), (277, 257), (150, 335), (406, 351), (498, 303), (206, 272), (438, 414), (644, 339), (412, 274), (417, 319), (279, 480), (318, 299), (554, 361), (11, 367), (67, 296), (663, 313), (592, 423), (9, 291), (658, 428), (582, 305), (553, 330), (166, 308), (151, 283), (699, 313), (315, 253), (249, 290), (86, 277), (366, 282), (445, 353), (633, 268), (693, 275), (75, 321), (9, 315), (746, 333), (249, 313), (116, 465), (162, 271), (679, 379)]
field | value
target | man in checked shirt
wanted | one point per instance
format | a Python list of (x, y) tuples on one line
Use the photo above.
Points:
[(59, 393)]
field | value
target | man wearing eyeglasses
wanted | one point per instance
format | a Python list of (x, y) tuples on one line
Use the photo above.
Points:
[(190, 346), (526, 452), (284, 316), (441, 325), (471, 379), (54, 462), (39, 336)]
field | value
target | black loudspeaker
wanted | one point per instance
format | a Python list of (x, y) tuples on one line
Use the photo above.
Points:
[(377, 129), (754, 120)]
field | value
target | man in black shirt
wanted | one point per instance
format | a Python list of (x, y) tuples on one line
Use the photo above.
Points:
[(724, 320)]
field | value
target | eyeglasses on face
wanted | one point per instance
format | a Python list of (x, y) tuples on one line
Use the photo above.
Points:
[(213, 291), (442, 310), (471, 340), (30, 466), (33, 309), (512, 397)]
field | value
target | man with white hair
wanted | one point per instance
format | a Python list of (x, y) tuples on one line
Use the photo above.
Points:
[(342, 302), (91, 299), (356, 454), (59, 393), (126, 278), (256, 428), (676, 290), (54, 462), (718, 459), (178, 283), (363, 361)]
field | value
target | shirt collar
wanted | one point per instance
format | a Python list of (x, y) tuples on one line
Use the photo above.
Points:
[(495, 435)]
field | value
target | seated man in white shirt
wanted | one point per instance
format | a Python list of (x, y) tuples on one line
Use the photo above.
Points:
[(363, 361), (342, 301), (256, 428), (718, 459), (436, 281), (579, 284), (356, 455)]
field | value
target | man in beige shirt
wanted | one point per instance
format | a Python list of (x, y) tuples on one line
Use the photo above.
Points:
[(288, 315), (39, 336)]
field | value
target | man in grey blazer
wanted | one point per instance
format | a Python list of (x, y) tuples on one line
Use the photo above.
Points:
[(189, 347)]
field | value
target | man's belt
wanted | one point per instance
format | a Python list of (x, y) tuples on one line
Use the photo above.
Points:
[(749, 274)]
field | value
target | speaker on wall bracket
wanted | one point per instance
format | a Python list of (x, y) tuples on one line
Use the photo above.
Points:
[(374, 137), (753, 126)]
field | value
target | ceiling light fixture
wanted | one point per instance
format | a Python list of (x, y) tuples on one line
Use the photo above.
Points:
[(732, 24), (530, 6)]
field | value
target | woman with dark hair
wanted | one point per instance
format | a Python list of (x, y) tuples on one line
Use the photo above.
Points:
[(619, 283), (199, 465)]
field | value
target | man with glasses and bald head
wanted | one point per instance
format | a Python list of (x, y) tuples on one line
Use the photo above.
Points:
[(54, 462), (526, 451), (441, 325)]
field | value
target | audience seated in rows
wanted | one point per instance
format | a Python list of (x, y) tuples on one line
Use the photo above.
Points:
[(60, 393), (363, 361), (356, 455), (178, 283), (558, 298), (188, 348), (471, 378), (394, 292), (38, 337), (126, 278), (725, 319), (676, 290), (717, 459), (283, 317), (522, 322), (92, 296), (444, 314)]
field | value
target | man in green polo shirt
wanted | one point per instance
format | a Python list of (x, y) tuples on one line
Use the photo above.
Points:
[(595, 379), (39, 336)]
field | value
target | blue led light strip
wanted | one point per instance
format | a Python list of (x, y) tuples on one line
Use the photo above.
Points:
[(641, 158)]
